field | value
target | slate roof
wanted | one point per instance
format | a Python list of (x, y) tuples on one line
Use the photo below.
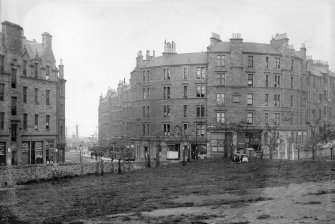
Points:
[(317, 70), (247, 47), (177, 59)]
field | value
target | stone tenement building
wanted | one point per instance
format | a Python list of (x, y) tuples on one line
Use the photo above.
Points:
[(183, 100), (32, 99)]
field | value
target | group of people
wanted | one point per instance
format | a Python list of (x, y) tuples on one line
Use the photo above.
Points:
[(240, 158)]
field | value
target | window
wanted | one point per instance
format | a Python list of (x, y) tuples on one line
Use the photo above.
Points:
[(277, 118), (36, 70), (200, 73), (185, 110), (266, 118), (221, 61), (148, 111), (2, 62), (220, 99), (14, 132), (143, 129), (47, 97), (185, 72), (148, 75), (47, 122), (143, 76), (266, 62), (36, 95), (236, 98), (266, 99), (25, 63), (292, 81), (2, 91), (25, 122), (201, 90), (200, 129), (220, 117), (276, 100), (148, 129), (200, 111), (47, 75), (250, 99), (185, 127), (166, 110), (166, 92), (61, 109), (25, 94), (250, 118), (36, 121), (146, 93), (292, 64), (13, 78), (185, 91), (277, 63), (277, 81), (167, 73), (266, 80), (143, 112), (166, 129), (2, 120), (221, 79), (291, 100), (250, 80), (250, 61), (14, 100)]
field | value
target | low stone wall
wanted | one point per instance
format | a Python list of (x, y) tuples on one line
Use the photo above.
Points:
[(11, 175)]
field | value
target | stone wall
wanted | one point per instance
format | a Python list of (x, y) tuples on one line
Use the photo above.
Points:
[(11, 175)]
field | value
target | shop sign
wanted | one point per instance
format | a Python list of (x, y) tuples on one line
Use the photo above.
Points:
[(25, 146), (2, 148)]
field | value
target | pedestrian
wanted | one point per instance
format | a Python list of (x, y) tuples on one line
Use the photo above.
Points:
[(55, 173)]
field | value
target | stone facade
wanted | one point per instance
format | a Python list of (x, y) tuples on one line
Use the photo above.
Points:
[(232, 82), (32, 91)]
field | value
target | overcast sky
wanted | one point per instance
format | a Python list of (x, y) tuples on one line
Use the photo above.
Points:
[(98, 39)]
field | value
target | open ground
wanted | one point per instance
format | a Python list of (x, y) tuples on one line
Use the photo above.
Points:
[(204, 191)]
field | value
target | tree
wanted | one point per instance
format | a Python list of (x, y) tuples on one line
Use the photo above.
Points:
[(181, 136), (158, 141), (315, 135), (272, 140)]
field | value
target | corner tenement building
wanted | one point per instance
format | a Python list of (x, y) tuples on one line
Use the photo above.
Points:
[(179, 99), (32, 99)]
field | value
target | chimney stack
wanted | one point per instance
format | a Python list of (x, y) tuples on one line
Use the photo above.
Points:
[(169, 48), (47, 40), (61, 69)]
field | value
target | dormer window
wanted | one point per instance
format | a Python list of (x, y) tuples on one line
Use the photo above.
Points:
[(47, 75)]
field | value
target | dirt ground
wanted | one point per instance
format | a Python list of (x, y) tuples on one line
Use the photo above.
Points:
[(205, 191)]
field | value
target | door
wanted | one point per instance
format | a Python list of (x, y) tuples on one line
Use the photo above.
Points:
[(228, 142)]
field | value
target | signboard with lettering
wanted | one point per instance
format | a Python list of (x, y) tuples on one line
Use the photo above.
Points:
[(25, 147), (2, 148)]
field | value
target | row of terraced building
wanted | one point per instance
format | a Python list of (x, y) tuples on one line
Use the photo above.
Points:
[(179, 100)]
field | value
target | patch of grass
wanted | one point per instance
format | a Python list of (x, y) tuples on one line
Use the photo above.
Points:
[(89, 196)]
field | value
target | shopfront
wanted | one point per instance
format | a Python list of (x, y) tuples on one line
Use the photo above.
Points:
[(2, 153), (173, 152)]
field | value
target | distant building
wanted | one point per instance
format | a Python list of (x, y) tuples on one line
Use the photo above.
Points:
[(77, 132), (190, 101), (32, 99)]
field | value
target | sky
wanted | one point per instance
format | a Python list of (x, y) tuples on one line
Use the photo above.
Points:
[(98, 39)]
